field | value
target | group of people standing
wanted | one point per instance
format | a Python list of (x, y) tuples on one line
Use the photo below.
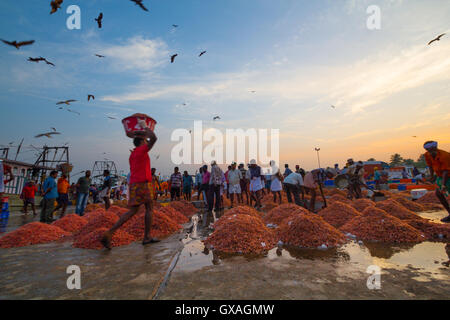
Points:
[(238, 182)]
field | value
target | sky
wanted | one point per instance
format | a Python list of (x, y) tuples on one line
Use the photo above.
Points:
[(300, 58)]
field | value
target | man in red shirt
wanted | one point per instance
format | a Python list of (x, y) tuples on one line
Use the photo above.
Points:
[(141, 190), (28, 194), (438, 161)]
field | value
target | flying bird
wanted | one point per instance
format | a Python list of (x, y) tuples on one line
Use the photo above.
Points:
[(74, 112), (37, 60), (216, 118), (100, 56), (202, 53), (175, 25), (140, 4), (48, 62), (333, 107), (55, 4), (437, 39), (414, 136), (99, 20), (172, 58), (54, 129), (47, 134), (157, 157), (91, 96), (67, 102), (253, 91), (112, 118), (18, 44)]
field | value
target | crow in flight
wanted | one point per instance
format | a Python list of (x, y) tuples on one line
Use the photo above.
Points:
[(91, 96), (99, 20), (74, 112), (202, 53), (47, 134), (140, 4), (39, 60), (18, 44), (66, 102), (172, 58), (55, 4), (437, 39)]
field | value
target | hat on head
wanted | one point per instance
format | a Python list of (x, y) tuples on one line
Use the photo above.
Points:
[(253, 161), (430, 145), (213, 163)]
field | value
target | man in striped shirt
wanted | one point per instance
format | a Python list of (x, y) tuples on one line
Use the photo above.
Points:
[(175, 184)]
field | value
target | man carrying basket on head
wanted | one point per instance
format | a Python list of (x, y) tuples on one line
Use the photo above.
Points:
[(141, 189), (438, 161)]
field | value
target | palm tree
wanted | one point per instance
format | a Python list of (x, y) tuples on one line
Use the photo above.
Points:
[(396, 160)]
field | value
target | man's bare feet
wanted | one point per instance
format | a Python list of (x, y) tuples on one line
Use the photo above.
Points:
[(150, 241), (106, 240)]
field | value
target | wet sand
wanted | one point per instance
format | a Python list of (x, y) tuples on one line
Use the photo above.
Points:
[(180, 268)]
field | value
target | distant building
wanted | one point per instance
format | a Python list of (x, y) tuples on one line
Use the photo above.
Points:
[(24, 172)]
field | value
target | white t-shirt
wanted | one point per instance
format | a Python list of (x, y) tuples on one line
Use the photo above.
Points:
[(294, 178), (234, 177)]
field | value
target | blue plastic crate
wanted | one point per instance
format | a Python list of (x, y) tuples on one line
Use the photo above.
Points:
[(4, 215), (329, 183), (402, 187)]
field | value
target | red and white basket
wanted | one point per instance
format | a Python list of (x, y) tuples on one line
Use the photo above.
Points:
[(132, 127)]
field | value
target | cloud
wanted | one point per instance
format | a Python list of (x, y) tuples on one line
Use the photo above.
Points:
[(138, 53), (351, 86)]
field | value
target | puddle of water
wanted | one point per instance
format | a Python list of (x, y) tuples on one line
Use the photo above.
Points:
[(15, 221), (427, 259), (434, 216)]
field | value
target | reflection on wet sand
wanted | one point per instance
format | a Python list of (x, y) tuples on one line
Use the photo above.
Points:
[(314, 254), (386, 250)]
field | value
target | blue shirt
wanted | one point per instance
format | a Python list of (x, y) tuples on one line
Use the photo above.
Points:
[(187, 181), (50, 183), (198, 178), (377, 175)]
